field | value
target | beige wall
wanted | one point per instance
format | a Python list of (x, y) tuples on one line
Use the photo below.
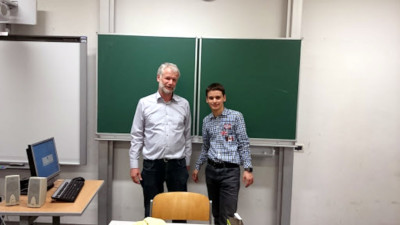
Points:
[(349, 114)]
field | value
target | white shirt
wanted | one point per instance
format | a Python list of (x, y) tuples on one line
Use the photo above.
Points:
[(161, 130)]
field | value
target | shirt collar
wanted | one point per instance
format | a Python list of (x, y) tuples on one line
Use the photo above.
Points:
[(224, 113), (159, 98)]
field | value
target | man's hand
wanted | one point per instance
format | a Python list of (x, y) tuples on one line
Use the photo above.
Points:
[(195, 176), (248, 178), (135, 175)]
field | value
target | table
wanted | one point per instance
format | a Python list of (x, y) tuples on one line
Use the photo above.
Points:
[(55, 209), (118, 222)]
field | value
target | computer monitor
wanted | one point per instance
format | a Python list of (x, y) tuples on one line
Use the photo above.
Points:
[(43, 160)]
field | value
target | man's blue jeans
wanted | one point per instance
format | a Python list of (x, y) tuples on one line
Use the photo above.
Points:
[(156, 172)]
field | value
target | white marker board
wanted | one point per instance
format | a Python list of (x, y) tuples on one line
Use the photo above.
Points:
[(42, 95)]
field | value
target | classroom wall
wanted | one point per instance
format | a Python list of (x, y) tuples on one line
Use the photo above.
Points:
[(349, 114), (202, 18), (349, 100)]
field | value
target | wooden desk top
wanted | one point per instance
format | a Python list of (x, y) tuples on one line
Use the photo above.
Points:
[(51, 208)]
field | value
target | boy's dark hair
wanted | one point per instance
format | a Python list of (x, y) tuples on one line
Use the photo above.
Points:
[(215, 87)]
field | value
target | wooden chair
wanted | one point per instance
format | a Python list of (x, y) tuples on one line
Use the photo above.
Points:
[(181, 206)]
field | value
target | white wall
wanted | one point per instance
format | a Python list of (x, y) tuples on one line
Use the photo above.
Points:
[(349, 114), (349, 101), (215, 18)]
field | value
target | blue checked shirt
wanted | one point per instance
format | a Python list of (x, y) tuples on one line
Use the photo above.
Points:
[(225, 139)]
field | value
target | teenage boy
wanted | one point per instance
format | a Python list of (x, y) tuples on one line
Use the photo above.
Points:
[(225, 147)]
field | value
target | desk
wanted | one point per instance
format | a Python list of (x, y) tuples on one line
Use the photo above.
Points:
[(117, 222), (55, 209)]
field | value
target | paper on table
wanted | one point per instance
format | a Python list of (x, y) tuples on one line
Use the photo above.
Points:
[(150, 221)]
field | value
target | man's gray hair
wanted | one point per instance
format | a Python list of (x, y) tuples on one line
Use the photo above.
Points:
[(165, 65)]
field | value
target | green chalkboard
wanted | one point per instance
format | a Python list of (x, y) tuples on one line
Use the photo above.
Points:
[(127, 70), (261, 81), (261, 78)]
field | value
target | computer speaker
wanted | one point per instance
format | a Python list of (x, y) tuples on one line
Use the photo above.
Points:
[(37, 190), (12, 189)]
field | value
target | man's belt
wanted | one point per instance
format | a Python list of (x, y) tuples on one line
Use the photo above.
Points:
[(164, 160), (222, 164)]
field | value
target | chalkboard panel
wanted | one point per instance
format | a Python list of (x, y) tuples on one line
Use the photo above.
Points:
[(261, 80), (43, 95), (127, 69)]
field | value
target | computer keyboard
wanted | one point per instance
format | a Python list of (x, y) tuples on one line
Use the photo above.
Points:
[(69, 190)]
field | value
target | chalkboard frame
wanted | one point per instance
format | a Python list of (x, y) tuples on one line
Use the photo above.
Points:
[(200, 108)]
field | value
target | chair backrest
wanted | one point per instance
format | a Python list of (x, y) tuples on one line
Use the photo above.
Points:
[(181, 206)]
